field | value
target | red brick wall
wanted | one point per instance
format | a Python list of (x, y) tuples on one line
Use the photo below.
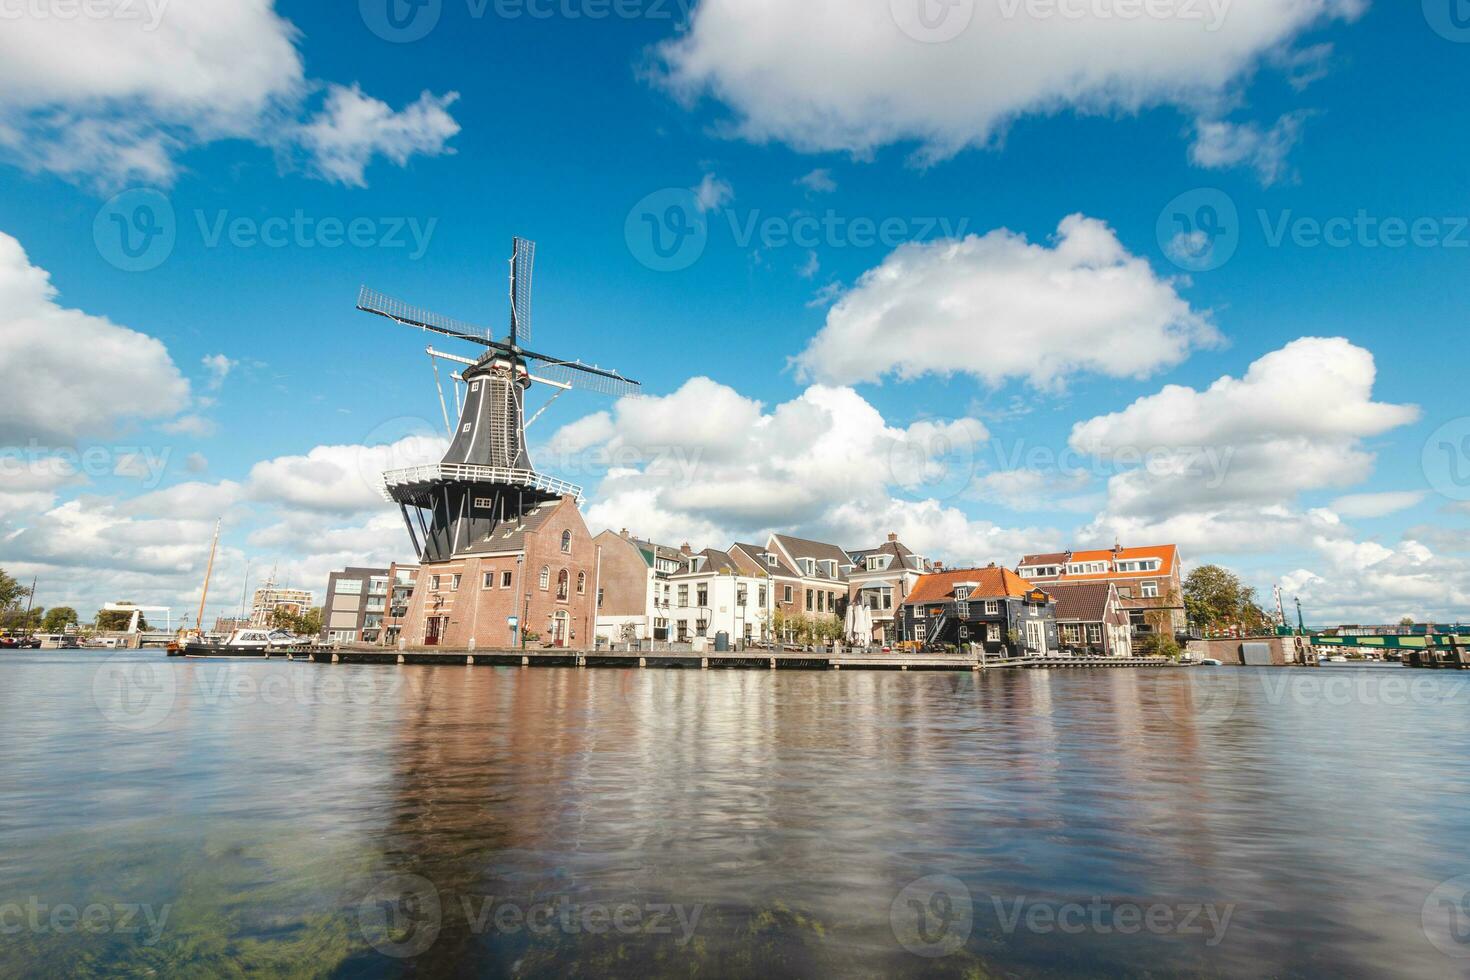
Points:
[(480, 614)]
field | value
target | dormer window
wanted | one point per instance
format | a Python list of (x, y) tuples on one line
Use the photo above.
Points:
[(772, 560), (830, 567), (809, 565)]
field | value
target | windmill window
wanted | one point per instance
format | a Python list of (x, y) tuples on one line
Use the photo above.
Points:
[(483, 503), (566, 542), (545, 578), (465, 427)]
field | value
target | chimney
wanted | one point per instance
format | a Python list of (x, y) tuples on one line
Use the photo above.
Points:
[(939, 566), (991, 565), (624, 532), (684, 549), (892, 537)]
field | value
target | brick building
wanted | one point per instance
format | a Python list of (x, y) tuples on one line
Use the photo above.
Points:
[(1149, 581), (536, 573)]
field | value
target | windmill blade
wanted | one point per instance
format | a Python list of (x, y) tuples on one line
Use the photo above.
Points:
[(584, 377), (372, 301), (522, 264)]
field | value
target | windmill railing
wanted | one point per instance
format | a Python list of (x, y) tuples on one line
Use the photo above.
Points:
[(460, 472)]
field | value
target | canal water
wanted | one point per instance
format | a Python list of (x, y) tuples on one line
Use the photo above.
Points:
[(192, 818)]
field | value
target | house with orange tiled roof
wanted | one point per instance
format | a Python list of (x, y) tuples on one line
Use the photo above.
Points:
[(991, 608), (1149, 580)]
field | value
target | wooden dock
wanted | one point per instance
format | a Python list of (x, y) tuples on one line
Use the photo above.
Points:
[(709, 660)]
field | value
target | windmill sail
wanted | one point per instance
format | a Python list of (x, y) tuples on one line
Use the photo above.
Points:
[(522, 264), (372, 301), (575, 374)]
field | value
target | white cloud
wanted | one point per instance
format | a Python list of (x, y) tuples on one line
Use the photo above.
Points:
[(189, 425), (999, 307), (1219, 144), (713, 193), (114, 100), (843, 74), (338, 479), (1365, 581), (818, 181), (74, 374), (1221, 469), (219, 367), (194, 501), (708, 465), (1367, 505), (352, 128)]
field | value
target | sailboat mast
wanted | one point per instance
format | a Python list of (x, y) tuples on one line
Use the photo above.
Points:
[(208, 571)]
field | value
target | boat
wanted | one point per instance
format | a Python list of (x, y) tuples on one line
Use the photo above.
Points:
[(240, 643), (1210, 662)]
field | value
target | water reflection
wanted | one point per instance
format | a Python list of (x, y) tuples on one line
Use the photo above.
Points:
[(298, 818)]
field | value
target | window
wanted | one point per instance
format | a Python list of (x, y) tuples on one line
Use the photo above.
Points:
[(683, 597), (962, 609), (992, 607), (434, 583), (992, 633), (1071, 633), (808, 600), (742, 596), (821, 602), (1149, 590), (489, 581), (563, 585), (483, 503), (809, 565), (505, 580), (581, 583), (600, 594), (545, 578), (701, 626), (788, 595), (919, 631), (761, 594), (1094, 632), (888, 600), (350, 586), (454, 583), (566, 542), (772, 560), (962, 592)]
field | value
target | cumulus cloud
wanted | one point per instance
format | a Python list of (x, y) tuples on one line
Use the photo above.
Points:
[(818, 181), (341, 479), (1368, 505), (855, 75), (1366, 581), (712, 193), (1219, 144), (710, 465), (75, 374), (1000, 307), (1221, 468), (353, 128), (113, 100), (219, 367)]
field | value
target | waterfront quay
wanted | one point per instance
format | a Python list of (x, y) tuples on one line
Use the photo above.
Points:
[(710, 660)]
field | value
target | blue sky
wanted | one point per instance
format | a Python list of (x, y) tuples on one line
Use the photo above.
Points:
[(559, 128)]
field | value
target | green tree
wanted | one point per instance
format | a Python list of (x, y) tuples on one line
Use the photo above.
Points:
[(11, 591), (58, 618), (118, 620), (1407, 621), (1215, 599)]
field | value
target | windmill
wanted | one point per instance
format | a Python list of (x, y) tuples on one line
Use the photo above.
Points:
[(486, 479)]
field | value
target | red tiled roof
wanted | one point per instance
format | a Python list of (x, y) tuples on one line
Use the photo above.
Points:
[(1167, 554), (989, 583)]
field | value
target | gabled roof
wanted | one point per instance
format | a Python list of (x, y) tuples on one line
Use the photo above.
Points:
[(901, 555), (989, 583), (756, 554), (652, 551), (1085, 602), (716, 561), (818, 551), (510, 535)]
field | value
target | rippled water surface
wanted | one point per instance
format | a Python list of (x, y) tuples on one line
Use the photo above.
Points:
[(195, 818)]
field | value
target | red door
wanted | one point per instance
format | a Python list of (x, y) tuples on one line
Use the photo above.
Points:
[(433, 630)]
